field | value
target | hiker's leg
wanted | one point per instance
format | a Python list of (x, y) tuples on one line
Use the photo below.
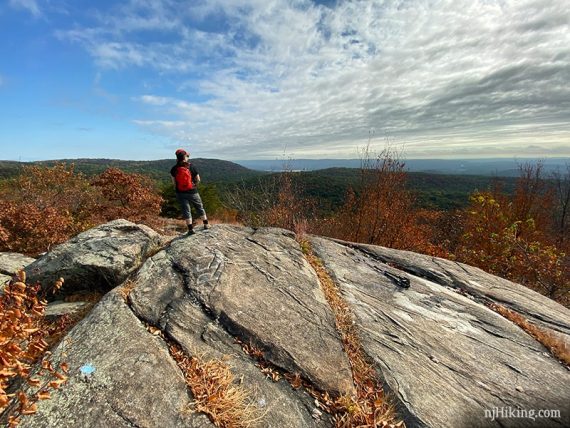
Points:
[(199, 206), (185, 206)]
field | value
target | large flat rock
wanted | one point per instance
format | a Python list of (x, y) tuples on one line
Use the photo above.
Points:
[(229, 282), (135, 383), (445, 356), (98, 259), (539, 309)]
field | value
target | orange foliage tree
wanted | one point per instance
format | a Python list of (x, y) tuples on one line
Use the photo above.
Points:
[(288, 209), (561, 182), (511, 236), (383, 212), (43, 207), (273, 202), (127, 195)]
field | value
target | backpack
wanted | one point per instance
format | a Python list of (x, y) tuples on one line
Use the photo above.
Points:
[(183, 179)]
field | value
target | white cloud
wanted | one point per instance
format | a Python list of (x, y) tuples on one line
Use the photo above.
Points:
[(155, 101), (441, 76), (29, 5)]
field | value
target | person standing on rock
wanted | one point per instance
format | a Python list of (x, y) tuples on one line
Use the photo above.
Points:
[(185, 178)]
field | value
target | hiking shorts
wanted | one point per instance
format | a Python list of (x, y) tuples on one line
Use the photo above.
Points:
[(186, 199)]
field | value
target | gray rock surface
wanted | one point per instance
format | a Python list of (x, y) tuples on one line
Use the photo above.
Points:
[(446, 357), (97, 259), (60, 308), (135, 383), (539, 309), (3, 280), (11, 263), (231, 282)]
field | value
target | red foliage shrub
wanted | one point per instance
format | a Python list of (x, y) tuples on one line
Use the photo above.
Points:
[(46, 206), (127, 195), (30, 230), (287, 210), (23, 334), (43, 207), (383, 212)]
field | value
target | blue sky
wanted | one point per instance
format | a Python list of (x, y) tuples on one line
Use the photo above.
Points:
[(259, 79)]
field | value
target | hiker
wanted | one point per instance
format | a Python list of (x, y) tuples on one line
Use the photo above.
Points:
[(185, 178)]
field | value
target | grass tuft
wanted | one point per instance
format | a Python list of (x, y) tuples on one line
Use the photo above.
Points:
[(370, 407), (216, 391), (556, 345), (126, 288)]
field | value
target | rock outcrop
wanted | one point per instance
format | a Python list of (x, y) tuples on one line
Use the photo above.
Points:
[(98, 259), (134, 382), (478, 284), (438, 349), (10, 264), (446, 358)]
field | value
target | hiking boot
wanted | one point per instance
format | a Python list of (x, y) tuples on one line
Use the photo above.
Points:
[(191, 232), (206, 226)]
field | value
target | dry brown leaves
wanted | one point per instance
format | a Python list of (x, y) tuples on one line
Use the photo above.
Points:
[(370, 407), (216, 391), (23, 342)]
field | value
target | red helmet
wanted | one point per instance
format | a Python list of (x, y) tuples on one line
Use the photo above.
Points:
[(181, 152)]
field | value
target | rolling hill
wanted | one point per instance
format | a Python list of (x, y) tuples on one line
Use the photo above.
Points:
[(211, 170), (328, 186)]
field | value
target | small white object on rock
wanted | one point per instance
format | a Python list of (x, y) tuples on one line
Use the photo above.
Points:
[(317, 414)]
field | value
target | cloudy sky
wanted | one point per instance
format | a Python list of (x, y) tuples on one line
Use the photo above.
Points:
[(258, 79)]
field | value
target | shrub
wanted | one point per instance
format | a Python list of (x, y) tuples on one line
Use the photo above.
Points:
[(127, 195), (43, 207), (273, 202), (23, 334), (383, 212), (511, 236), (31, 230)]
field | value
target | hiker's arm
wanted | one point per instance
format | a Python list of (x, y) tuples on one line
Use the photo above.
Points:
[(197, 178), (173, 181)]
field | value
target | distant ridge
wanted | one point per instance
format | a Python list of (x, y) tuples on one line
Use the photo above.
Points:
[(493, 167), (221, 170), (212, 170)]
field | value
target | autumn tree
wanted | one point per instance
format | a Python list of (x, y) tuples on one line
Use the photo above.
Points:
[(274, 201), (509, 235), (44, 206), (127, 195), (288, 209), (561, 184), (382, 210)]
